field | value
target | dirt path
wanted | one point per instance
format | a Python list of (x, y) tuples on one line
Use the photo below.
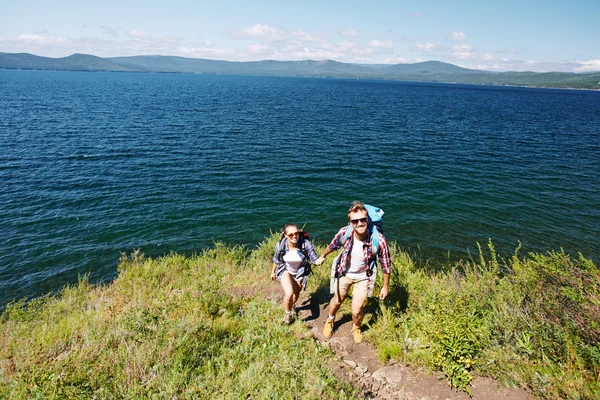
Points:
[(358, 364)]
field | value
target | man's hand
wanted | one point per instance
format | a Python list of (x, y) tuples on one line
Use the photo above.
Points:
[(384, 292), (320, 260)]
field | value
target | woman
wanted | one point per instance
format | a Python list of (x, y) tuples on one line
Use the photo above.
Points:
[(291, 266)]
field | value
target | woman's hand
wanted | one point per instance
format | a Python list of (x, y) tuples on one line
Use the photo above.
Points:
[(273, 276)]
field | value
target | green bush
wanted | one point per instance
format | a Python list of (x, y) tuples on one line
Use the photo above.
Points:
[(532, 321)]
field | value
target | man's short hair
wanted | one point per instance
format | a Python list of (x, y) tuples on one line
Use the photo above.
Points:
[(356, 206)]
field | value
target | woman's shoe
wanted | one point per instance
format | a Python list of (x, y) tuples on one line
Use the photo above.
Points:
[(288, 318)]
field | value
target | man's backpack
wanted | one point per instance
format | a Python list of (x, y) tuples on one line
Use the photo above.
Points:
[(302, 238)]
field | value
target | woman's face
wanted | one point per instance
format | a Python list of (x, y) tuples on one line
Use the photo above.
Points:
[(292, 234)]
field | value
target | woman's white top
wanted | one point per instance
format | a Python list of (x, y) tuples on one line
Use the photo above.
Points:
[(292, 261)]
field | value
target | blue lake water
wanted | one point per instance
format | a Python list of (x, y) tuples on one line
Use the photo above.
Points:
[(95, 164)]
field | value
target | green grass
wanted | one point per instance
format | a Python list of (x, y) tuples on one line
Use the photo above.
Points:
[(172, 327), (531, 321), (165, 327)]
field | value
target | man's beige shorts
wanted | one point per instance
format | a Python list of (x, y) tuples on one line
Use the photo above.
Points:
[(360, 291)]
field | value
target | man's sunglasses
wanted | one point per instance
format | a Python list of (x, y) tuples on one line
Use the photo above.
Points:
[(356, 221)]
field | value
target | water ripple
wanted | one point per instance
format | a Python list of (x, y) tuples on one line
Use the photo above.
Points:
[(93, 165)]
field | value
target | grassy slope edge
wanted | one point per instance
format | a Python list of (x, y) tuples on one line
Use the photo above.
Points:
[(170, 327)]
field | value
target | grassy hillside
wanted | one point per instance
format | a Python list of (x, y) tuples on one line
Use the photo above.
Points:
[(165, 328), (429, 71), (75, 62), (173, 326)]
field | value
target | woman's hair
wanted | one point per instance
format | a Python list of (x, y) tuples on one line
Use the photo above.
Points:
[(356, 206), (287, 226)]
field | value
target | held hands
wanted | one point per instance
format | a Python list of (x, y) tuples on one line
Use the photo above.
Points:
[(320, 261)]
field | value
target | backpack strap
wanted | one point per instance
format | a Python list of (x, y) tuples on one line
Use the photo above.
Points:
[(307, 267), (281, 247), (374, 247), (303, 238), (375, 240), (344, 238)]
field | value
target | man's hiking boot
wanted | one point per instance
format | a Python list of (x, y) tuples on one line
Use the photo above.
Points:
[(357, 334), (288, 318), (328, 328)]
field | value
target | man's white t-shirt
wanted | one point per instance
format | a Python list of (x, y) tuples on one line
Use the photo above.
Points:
[(358, 265)]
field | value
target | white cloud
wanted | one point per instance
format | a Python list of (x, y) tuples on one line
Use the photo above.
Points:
[(462, 48), (315, 54), (152, 42), (204, 52), (428, 47), (488, 62), (508, 51), (457, 36), (259, 31), (358, 51), (396, 60), (463, 52), (347, 45), (301, 35), (349, 33), (137, 35), (43, 40), (26, 38), (292, 46), (107, 30), (588, 66), (381, 45), (257, 49)]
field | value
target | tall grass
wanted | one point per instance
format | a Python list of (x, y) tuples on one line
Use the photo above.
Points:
[(165, 328), (171, 327), (531, 321)]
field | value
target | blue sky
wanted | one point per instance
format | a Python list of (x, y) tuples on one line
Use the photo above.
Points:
[(495, 35)]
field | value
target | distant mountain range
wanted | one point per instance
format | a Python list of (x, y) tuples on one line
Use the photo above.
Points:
[(429, 71)]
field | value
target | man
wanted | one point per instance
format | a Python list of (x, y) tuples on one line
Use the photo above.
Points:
[(354, 267)]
